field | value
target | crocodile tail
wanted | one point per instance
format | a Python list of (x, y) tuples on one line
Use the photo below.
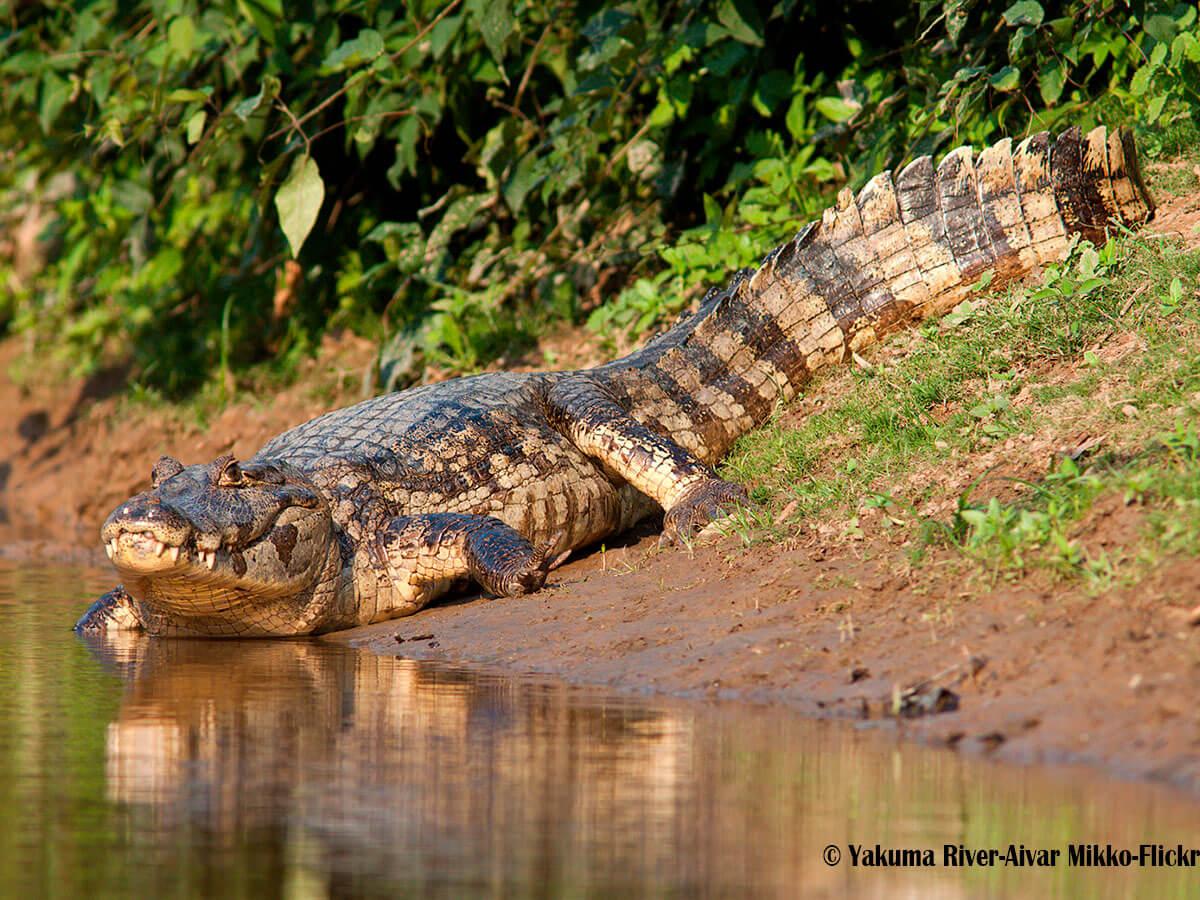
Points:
[(905, 248)]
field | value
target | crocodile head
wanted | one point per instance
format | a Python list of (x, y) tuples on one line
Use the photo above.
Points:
[(222, 548)]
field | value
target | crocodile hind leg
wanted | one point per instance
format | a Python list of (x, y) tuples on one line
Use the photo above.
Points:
[(418, 558), (688, 490)]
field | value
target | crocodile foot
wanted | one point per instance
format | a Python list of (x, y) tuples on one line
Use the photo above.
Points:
[(704, 502), (508, 571), (112, 612)]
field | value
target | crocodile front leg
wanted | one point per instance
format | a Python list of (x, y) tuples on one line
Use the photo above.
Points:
[(416, 559), (112, 612), (688, 490)]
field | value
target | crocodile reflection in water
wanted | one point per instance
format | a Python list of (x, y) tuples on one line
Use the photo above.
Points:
[(381, 762), (347, 773)]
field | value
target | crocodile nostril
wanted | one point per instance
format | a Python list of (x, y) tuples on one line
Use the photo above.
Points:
[(141, 507)]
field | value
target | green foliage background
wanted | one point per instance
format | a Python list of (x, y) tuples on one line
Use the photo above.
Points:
[(457, 175)]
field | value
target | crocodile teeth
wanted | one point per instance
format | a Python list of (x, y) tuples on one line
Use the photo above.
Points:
[(207, 558), (110, 548), (174, 554), (159, 548)]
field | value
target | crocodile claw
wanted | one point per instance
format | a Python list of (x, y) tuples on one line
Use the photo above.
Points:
[(702, 504), (532, 575)]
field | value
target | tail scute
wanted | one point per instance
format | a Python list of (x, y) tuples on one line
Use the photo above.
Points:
[(1003, 216), (1138, 206), (958, 195), (883, 224), (1066, 173)]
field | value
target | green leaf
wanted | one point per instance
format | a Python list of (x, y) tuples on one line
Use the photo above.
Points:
[(299, 200), (496, 24), (353, 53), (265, 14), (267, 91), (113, 131), (1161, 28), (56, 91), (1006, 79), (607, 23), (774, 89), (403, 243), (797, 118), (384, 231), (1026, 12), (964, 312), (742, 21), (1185, 45), (405, 136), (443, 33), (1154, 108), (662, 115), (101, 82), (187, 95), (1158, 56), (181, 37), (1051, 81), (459, 215), (956, 19), (131, 196), (523, 179), (1016, 41), (195, 126), (984, 280), (836, 109), (1141, 81)]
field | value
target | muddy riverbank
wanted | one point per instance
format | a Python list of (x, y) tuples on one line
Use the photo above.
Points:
[(1027, 669), (1041, 672)]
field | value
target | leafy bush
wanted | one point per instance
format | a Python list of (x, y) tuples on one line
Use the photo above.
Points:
[(454, 175)]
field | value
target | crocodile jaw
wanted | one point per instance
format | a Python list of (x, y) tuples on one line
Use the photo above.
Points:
[(200, 555), (142, 552)]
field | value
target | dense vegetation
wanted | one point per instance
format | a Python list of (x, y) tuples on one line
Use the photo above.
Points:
[(451, 176)]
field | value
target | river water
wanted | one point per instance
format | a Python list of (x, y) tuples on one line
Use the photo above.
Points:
[(309, 769)]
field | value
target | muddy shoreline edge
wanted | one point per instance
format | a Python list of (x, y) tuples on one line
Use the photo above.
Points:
[(1042, 671)]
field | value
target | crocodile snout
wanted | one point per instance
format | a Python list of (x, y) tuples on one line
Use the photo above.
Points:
[(144, 534)]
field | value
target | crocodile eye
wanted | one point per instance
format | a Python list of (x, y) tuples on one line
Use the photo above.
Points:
[(262, 473), (231, 474)]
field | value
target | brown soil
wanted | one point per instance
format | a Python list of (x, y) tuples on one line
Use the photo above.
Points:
[(70, 452), (825, 623), (1041, 675)]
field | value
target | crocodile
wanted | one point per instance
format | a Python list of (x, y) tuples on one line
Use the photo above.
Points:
[(375, 510)]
